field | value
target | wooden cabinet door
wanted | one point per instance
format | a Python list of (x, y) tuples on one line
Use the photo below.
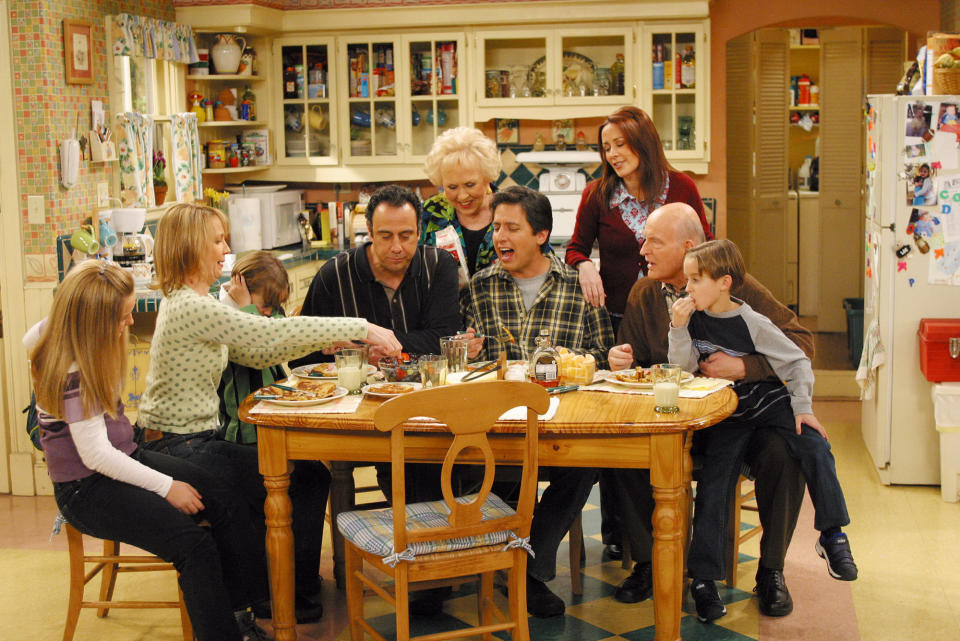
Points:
[(740, 150), (841, 173)]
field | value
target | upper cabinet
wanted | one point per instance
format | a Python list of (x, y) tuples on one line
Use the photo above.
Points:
[(674, 59), (399, 94), (306, 83), (553, 73)]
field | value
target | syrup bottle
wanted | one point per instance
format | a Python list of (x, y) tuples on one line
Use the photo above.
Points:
[(545, 363)]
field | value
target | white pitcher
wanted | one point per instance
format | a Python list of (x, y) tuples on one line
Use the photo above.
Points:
[(226, 52)]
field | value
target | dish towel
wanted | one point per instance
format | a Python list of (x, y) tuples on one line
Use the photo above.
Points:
[(873, 356)]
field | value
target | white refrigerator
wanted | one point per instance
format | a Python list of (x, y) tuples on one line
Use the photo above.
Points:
[(903, 134)]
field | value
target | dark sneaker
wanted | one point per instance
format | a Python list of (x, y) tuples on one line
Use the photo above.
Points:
[(707, 599), (429, 602), (307, 609), (638, 586), (541, 602), (249, 630), (772, 592), (613, 551), (836, 552)]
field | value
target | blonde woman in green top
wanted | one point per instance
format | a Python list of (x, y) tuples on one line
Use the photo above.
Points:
[(196, 336)]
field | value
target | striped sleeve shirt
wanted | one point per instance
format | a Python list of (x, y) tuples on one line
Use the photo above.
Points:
[(421, 310)]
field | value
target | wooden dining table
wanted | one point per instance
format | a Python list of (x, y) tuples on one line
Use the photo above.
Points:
[(590, 429)]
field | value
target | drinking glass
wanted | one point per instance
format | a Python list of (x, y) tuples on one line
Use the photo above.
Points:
[(433, 370), (455, 349), (351, 369), (666, 387)]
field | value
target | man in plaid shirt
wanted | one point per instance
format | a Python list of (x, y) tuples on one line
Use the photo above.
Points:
[(529, 289)]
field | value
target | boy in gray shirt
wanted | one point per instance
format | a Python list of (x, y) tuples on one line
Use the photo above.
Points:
[(710, 320)]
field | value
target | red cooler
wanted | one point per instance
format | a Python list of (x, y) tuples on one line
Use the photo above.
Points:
[(936, 336)]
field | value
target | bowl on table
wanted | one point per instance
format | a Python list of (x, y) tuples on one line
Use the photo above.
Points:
[(397, 371)]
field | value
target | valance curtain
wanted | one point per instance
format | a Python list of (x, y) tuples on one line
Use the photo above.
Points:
[(143, 37), (187, 157), (135, 153)]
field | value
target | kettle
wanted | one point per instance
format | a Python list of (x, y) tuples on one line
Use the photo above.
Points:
[(226, 52)]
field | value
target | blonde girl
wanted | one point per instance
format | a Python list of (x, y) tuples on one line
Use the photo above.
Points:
[(108, 487)]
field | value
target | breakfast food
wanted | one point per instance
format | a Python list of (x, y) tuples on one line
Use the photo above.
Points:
[(324, 369), (321, 388), (576, 369), (639, 375), (390, 388), (305, 391)]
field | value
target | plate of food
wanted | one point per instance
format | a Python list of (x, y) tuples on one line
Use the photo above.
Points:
[(389, 390), (324, 370), (302, 394), (638, 377)]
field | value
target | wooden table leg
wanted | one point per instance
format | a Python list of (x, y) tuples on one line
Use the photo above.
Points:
[(666, 476), (278, 510), (341, 500)]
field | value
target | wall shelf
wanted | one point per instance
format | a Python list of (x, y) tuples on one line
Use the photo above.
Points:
[(225, 76), (235, 170), (232, 123)]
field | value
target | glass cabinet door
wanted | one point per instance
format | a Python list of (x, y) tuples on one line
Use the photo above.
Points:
[(596, 67), (371, 100), (514, 68), (308, 115), (436, 84), (673, 82)]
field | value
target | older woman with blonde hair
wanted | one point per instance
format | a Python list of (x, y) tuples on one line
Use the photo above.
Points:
[(463, 163), (196, 336)]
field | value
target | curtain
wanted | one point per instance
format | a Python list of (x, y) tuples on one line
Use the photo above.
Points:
[(135, 152), (143, 37), (187, 157)]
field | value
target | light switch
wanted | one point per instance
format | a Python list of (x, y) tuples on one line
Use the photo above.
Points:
[(35, 215)]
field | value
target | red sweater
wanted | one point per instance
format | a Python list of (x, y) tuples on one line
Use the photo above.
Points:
[(620, 260)]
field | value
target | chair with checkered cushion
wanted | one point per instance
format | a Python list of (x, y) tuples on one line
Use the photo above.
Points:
[(425, 544)]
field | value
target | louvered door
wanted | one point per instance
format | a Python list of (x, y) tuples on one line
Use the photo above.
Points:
[(841, 173), (740, 130), (886, 49), (769, 238)]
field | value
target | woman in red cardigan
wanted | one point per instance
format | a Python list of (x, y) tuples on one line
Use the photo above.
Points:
[(637, 179)]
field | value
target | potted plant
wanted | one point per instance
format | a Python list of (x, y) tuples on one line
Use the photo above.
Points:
[(159, 178)]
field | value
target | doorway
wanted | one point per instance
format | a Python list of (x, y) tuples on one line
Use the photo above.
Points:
[(794, 103)]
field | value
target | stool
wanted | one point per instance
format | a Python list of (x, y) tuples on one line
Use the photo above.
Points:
[(946, 413), (111, 563)]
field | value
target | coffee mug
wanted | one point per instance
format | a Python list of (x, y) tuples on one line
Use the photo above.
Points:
[(108, 237), (84, 241)]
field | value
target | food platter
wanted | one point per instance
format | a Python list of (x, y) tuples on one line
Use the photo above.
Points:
[(338, 392), (612, 377), (577, 70), (390, 390), (324, 370)]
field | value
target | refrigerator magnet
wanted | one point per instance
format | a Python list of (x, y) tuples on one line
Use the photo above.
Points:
[(921, 243), (902, 252), (901, 265)]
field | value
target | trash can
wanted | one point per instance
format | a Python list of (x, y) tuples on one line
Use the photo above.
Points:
[(854, 309)]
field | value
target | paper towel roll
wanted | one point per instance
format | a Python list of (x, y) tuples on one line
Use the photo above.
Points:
[(245, 233)]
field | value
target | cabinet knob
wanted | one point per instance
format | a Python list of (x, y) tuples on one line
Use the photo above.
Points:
[(838, 203)]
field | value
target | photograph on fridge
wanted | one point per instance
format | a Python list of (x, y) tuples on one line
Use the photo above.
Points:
[(949, 118), (919, 117), (920, 189)]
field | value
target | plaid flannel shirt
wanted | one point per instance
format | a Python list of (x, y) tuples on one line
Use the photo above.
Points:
[(492, 303)]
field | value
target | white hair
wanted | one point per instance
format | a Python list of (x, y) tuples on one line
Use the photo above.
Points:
[(463, 145)]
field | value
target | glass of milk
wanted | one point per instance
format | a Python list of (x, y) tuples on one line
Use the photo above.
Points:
[(666, 387), (351, 369)]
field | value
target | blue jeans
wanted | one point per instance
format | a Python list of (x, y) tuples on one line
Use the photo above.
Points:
[(722, 449), (555, 512), (238, 465), (218, 573)]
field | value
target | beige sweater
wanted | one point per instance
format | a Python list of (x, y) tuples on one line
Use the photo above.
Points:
[(196, 336)]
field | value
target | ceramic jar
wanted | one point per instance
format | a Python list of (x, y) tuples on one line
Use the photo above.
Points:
[(226, 52)]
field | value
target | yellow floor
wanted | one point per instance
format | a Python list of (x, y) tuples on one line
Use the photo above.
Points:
[(905, 540)]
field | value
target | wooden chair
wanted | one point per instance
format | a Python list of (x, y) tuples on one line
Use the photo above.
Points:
[(735, 536), (110, 564), (424, 555), (344, 493)]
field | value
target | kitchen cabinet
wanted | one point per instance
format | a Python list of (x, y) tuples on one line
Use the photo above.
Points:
[(674, 91), (309, 116), (553, 73), (231, 131), (400, 93)]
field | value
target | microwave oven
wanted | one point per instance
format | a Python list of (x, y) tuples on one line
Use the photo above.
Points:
[(278, 216)]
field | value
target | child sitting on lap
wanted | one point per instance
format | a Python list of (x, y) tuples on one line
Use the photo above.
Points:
[(710, 320)]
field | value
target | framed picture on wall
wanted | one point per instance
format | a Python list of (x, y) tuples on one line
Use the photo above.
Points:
[(508, 131), (78, 52)]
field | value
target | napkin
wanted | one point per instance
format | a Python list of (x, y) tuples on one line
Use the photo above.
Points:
[(698, 387), (343, 405)]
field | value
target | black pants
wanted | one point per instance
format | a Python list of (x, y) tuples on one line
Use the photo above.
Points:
[(780, 488), (219, 568), (238, 465)]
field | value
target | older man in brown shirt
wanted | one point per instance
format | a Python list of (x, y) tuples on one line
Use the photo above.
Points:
[(642, 337)]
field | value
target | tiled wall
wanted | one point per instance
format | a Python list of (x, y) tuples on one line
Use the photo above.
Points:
[(332, 4), (46, 111)]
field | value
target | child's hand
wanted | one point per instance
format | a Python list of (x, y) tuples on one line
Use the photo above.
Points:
[(812, 421), (682, 308), (184, 497), (238, 291)]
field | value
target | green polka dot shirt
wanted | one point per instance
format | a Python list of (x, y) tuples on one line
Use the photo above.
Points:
[(194, 339)]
